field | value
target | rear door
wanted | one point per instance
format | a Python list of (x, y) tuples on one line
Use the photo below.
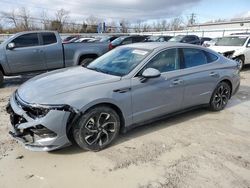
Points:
[(53, 51), (200, 75), (27, 56)]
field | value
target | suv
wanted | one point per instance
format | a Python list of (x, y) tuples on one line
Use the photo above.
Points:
[(235, 47), (126, 40), (190, 39)]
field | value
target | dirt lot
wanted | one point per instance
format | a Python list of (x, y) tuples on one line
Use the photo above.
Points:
[(195, 149)]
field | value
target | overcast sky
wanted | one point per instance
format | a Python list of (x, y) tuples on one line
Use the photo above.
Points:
[(135, 9)]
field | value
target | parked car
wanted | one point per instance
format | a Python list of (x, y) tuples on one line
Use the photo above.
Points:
[(122, 40), (71, 38), (211, 42), (236, 47), (204, 39), (156, 38), (42, 51), (126, 87), (84, 39), (190, 39), (108, 38)]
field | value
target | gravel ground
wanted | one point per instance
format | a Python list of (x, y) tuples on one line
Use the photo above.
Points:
[(194, 149)]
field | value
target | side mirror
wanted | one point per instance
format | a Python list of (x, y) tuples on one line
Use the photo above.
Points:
[(11, 46), (248, 45), (151, 73)]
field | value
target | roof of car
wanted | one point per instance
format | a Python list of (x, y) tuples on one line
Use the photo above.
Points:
[(240, 35), (159, 45)]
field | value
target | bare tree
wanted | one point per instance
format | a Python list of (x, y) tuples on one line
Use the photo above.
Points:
[(124, 24), (176, 23), (10, 17), (45, 20), (25, 19), (62, 16)]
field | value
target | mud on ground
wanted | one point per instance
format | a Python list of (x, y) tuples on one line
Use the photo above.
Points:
[(194, 149)]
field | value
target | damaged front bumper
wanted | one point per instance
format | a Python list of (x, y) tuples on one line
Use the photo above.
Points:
[(39, 127)]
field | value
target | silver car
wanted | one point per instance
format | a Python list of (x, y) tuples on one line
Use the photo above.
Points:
[(126, 87)]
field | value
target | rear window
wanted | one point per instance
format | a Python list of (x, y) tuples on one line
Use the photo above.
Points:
[(194, 57), (211, 57), (49, 38)]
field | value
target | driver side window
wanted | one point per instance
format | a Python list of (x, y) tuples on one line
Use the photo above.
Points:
[(165, 61), (26, 40)]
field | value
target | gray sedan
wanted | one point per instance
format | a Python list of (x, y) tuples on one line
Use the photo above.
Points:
[(126, 87)]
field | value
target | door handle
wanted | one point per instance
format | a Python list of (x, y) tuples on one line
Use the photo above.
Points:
[(177, 82), (214, 74)]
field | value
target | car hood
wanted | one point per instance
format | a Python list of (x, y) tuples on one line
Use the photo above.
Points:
[(47, 85), (223, 49)]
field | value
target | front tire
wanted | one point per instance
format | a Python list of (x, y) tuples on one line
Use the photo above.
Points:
[(220, 96), (97, 128), (241, 62)]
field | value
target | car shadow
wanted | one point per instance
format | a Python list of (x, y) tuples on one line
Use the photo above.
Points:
[(15, 81), (142, 130), (246, 68)]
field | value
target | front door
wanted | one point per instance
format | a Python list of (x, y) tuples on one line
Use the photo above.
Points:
[(158, 96), (27, 55)]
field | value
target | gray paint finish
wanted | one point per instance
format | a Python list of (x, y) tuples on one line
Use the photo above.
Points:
[(82, 88)]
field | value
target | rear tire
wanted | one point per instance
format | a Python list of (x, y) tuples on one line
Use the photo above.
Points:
[(220, 96), (1, 78), (97, 128)]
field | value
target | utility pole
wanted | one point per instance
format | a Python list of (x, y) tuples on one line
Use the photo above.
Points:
[(192, 19)]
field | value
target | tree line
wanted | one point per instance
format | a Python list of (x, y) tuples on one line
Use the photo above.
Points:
[(22, 20)]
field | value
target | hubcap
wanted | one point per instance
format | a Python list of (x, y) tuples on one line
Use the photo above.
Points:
[(100, 129), (221, 97)]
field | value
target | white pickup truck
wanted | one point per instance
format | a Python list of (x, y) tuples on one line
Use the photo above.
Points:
[(34, 51), (235, 47)]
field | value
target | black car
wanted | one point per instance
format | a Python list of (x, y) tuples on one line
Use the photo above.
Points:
[(203, 39), (190, 39), (126, 40), (157, 38)]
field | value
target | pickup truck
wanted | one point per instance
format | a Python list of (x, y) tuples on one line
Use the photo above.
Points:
[(36, 51)]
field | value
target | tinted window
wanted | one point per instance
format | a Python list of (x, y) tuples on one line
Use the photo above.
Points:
[(49, 38), (165, 61), (26, 40), (194, 57), (127, 41), (189, 39), (211, 57)]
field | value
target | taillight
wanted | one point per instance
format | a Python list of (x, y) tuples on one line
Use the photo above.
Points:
[(110, 46)]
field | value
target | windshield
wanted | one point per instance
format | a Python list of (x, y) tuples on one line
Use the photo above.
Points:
[(153, 38), (176, 38), (119, 62), (231, 41), (118, 40)]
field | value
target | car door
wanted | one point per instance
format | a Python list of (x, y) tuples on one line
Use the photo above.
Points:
[(158, 96), (27, 55), (200, 75), (53, 51)]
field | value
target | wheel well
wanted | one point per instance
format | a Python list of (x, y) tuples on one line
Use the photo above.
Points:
[(94, 56), (240, 56), (230, 85), (72, 120), (1, 69)]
